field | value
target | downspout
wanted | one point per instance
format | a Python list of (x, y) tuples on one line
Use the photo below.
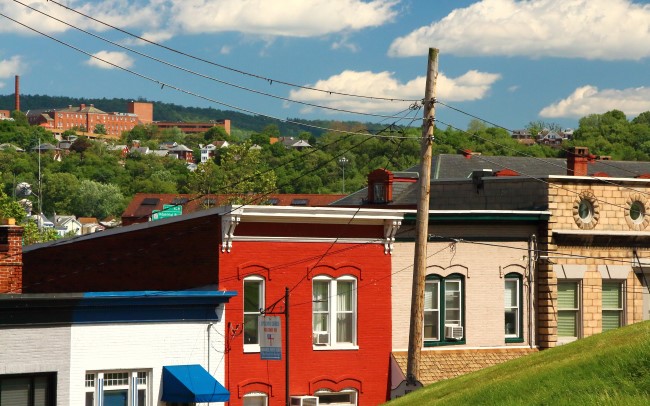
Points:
[(532, 260), (209, 327)]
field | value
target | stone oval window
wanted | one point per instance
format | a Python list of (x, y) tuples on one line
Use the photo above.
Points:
[(637, 212), (585, 210)]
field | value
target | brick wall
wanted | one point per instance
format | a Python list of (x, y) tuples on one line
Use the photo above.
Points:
[(484, 268), (11, 259)]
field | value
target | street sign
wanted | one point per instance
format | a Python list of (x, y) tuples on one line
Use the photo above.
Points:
[(270, 338), (169, 210)]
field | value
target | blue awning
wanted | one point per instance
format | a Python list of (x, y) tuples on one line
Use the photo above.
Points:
[(191, 384)]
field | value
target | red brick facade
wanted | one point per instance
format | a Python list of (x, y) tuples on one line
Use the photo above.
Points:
[(11, 259), (364, 369)]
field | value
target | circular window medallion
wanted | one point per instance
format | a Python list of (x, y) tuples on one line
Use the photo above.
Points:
[(585, 211), (636, 212)]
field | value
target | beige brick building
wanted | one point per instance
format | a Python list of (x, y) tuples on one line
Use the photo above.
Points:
[(569, 238)]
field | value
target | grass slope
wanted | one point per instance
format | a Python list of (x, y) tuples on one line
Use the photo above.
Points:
[(612, 368)]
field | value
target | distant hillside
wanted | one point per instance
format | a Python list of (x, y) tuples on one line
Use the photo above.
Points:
[(175, 112)]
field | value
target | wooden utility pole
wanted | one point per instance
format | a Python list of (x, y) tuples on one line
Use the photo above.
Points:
[(422, 225)]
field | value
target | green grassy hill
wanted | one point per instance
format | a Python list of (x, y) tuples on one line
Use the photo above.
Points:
[(612, 368)]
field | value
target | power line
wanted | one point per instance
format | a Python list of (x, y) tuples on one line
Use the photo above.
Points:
[(179, 89), (511, 131), (482, 157), (203, 75), (267, 79)]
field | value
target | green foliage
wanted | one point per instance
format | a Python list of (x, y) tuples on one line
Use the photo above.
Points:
[(20, 118), (32, 234), (94, 199), (9, 208), (100, 129), (611, 368)]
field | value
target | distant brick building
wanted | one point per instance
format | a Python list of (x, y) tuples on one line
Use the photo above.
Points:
[(88, 116)]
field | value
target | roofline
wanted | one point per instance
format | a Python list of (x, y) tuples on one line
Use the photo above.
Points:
[(252, 213), (118, 295)]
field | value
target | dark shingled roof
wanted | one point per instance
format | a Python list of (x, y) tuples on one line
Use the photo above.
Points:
[(457, 166)]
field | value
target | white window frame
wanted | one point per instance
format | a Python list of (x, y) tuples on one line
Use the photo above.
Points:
[(262, 293), (442, 309), (577, 310), (434, 309), (332, 313), (621, 309), (517, 307), (136, 380)]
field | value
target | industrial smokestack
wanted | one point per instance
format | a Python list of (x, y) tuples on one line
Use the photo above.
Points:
[(17, 93)]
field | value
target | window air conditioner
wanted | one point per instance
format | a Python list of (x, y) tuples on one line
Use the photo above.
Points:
[(454, 332), (304, 401), (321, 338)]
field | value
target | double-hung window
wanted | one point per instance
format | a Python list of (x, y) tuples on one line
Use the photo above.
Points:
[(443, 310), (568, 310), (334, 311), (513, 309), (253, 305), (613, 315)]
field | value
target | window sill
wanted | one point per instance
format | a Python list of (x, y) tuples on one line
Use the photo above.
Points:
[(335, 347), (251, 348), (443, 343)]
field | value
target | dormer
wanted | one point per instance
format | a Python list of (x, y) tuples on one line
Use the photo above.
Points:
[(380, 186)]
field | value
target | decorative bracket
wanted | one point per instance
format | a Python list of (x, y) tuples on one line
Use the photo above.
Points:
[(228, 224), (390, 229)]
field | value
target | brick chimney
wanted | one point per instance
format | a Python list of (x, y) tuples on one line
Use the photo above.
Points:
[(577, 160), (380, 186), (11, 258), (17, 100)]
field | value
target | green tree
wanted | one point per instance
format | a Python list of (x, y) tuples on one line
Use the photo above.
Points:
[(94, 199), (20, 118), (100, 129), (59, 188)]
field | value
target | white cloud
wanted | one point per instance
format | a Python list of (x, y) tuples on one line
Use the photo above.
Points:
[(589, 100), (10, 67), (590, 29), (225, 50), (118, 58), (120, 13), (295, 18), (472, 85)]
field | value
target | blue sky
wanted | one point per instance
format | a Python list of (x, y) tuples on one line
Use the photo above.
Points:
[(509, 62)]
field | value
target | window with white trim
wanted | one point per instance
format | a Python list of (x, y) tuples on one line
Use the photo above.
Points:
[(345, 397), (568, 310), (513, 306), (613, 305), (117, 388), (443, 310), (253, 305), (256, 399), (334, 311)]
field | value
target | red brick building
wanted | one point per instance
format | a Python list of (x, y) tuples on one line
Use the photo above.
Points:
[(88, 117), (335, 262)]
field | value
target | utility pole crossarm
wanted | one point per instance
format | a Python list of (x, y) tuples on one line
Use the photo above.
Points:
[(422, 225)]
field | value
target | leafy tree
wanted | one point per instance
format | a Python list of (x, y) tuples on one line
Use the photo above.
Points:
[(204, 179), (94, 199), (9, 208), (100, 129), (59, 188), (242, 174), (20, 118), (80, 145), (33, 235)]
